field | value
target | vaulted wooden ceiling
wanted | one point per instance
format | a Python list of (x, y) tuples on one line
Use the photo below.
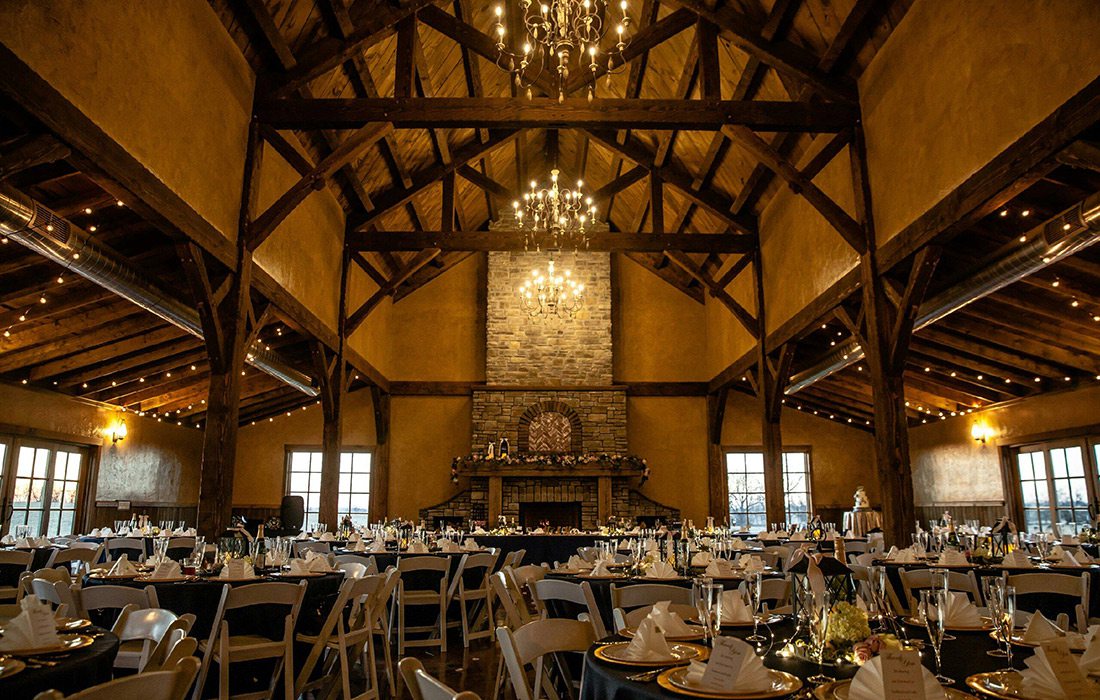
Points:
[(87, 342)]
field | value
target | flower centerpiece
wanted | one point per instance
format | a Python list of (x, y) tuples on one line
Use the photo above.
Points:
[(850, 639)]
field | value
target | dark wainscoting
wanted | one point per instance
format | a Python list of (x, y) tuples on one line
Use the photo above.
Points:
[(107, 512), (986, 513)]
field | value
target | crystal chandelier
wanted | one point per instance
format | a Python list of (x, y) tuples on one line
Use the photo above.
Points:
[(551, 296), (557, 32), (555, 217)]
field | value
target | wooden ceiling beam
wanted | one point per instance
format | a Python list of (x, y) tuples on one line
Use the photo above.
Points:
[(782, 56), (549, 113), (326, 54), (503, 240), (673, 175), (483, 181), (121, 346), (411, 268), (1081, 154), (747, 320), (29, 152), (960, 340)]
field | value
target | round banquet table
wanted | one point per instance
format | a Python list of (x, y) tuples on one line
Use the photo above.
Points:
[(384, 560), (201, 597), (961, 658), (73, 672)]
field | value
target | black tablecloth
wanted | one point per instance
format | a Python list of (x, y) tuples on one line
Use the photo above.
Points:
[(73, 672), (541, 548), (201, 599), (962, 657)]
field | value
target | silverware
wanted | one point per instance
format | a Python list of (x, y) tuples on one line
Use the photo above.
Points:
[(647, 676)]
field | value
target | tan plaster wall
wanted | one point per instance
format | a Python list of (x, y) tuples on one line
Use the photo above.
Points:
[(162, 78), (259, 479), (426, 434), (662, 332), (156, 463), (951, 467), (803, 255), (671, 434), (727, 339), (842, 458), (957, 82)]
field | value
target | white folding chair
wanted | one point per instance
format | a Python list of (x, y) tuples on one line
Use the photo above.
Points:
[(170, 684), (635, 596), (10, 560), (424, 687), (57, 594), (921, 579), (133, 547), (352, 569), (301, 547), (369, 562), (106, 597), (530, 644), (633, 618), (548, 590), (140, 631), (1054, 584), (63, 558), (227, 648), (471, 585), (429, 569), (173, 646), (180, 547)]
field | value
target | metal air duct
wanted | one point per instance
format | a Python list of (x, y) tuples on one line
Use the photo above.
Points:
[(27, 222), (1059, 237)]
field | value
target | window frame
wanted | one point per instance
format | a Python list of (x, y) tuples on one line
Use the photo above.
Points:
[(14, 440), (1086, 438), (757, 449), (289, 450)]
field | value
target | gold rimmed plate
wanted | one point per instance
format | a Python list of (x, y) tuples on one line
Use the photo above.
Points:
[(1018, 640), (658, 579), (173, 579), (10, 667), (68, 642), (72, 624), (697, 632), (682, 652), (113, 577), (675, 680), (838, 690), (769, 620), (305, 574), (1003, 685), (605, 577)]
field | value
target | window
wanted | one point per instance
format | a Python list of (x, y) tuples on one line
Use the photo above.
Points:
[(1056, 482), (747, 495), (45, 487), (303, 478)]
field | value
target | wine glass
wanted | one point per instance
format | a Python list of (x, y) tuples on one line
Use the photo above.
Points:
[(993, 590), (819, 635), (941, 581), (933, 610), (754, 584), (1006, 623)]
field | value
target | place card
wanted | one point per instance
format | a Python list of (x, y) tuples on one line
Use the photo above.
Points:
[(902, 675), (1065, 668), (725, 663)]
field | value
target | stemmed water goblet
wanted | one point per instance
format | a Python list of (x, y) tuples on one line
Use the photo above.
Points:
[(933, 610), (754, 583), (993, 590), (1006, 623), (708, 605)]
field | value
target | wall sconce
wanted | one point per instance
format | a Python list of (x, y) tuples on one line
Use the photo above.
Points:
[(981, 432), (118, 431)]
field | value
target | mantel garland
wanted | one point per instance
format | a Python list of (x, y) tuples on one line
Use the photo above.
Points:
[(560, 460)]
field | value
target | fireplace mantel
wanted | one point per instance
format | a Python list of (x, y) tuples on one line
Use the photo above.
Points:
[(533, 466)]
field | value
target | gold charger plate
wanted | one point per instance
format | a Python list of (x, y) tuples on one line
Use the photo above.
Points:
[(10, 667), (769, 620), (608, 577), (783, 684), (838, 690), (985, 626), (1018, 640), (69, 642), (174, 579), (308, 574), (629, 633), (113, 577), (659, 579), (683, 652), (71, 624)]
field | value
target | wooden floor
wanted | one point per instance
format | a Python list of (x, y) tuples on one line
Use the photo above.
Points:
[(462, 669)]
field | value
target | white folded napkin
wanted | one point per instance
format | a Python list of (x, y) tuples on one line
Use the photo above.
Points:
[(669, 622), (480, 531), (1070, 539), (299, 567), (354, 537), (24, 543), (702, 559), (328, 537), (302, 535), (719, 568), (1017, 559), (237, 569), (1090, 660), (734, 610), (868, 683), (417, 546), (600, 569), (94, 532), (1039, 629), (167, 569), (737, 544), (577, 563), (1056, 553), (782, 533), (1039, 681), (538, 531), (660, 569), (651, 545), (33, 628), (106, 532), (122, 567), (904, 556), (750, 562), (961, 612), (379, 545), (648, 643), (752, 677), (317, 561), (450, 546), (470, 545), (1068, 560), (798, 536), (950, 557)]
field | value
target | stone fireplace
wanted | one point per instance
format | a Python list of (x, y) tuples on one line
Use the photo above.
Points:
[(550, 392)]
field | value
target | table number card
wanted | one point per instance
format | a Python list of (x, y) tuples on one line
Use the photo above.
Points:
[(725, 663), (902, 675), (1061, 661)]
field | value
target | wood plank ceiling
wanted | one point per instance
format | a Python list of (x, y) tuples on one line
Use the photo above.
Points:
[(1039, 334)]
